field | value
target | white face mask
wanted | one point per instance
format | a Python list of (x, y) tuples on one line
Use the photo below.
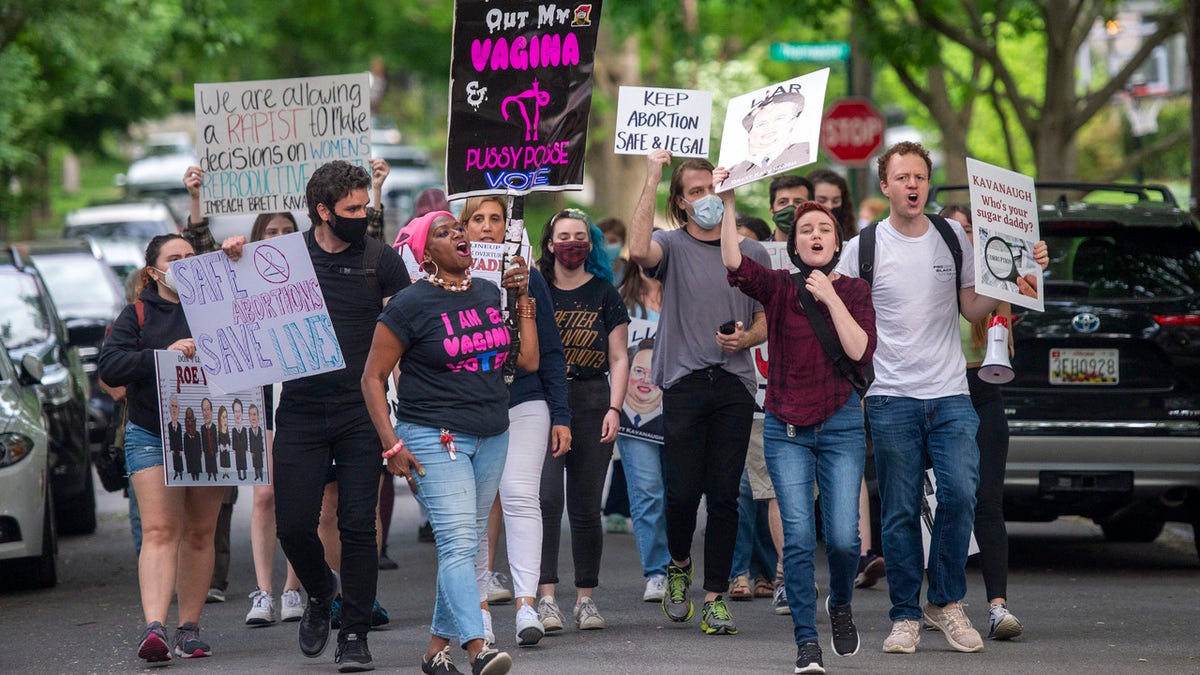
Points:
[(168, 279)]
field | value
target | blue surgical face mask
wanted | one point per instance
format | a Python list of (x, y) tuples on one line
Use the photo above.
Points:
[(707, 211), (613, 250)]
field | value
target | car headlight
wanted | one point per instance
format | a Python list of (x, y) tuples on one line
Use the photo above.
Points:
[(14, 448), (56, 387)]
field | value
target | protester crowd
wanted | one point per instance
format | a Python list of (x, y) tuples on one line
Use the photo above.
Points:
[(873, 343)]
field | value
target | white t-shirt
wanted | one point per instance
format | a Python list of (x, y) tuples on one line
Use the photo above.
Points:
[(919, 354)]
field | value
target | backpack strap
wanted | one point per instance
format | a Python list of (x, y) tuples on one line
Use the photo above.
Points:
[(831, 345), (866, 254), (139, 308), (943, 227)]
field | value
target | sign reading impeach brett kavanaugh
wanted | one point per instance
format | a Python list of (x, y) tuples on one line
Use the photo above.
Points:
[(259, 142), (520, 93)]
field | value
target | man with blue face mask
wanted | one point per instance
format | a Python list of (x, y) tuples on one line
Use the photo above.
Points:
[(703, 364)]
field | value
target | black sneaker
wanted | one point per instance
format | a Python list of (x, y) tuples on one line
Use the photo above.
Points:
[(314, 627), (379, 615), (352, 655), (845, 635), (808, 658), (491, 662), (188, 644), (386, 563), (439, 664), (675, 603), (425, 534)]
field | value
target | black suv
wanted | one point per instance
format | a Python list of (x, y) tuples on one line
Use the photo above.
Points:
[(1104, 411), (30, 324)]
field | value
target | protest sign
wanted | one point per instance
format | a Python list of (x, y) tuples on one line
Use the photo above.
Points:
[(773, 130), (641, 413), (520, 93), (676, 120), (208, 438), (259, 141), (258, 320), (1005, 220)]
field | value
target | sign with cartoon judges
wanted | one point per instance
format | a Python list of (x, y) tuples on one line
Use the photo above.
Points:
[(1004, 214), (258, 142), (208, 438), (258, 320), (520, 93), (675, 120), (773, 129)]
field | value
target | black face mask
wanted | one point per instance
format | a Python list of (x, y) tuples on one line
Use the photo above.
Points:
[(349, 230)]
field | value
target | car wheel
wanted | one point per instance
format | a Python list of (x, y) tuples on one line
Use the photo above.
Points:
[(40, 571), (1132, 530), (79, 515)]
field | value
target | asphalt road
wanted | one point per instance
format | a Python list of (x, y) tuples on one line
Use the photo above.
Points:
[(1087, 607)]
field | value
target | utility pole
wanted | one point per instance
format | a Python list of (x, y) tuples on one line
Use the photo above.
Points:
[(861, 78)]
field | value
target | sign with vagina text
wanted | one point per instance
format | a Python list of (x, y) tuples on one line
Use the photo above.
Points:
[(1005, 223), (258, 142), (675, 120), (259, 319)]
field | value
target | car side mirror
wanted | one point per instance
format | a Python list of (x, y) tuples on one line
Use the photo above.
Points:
[(31, 370)]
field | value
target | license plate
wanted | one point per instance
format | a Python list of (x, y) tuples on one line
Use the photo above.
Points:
[(1084, 366)]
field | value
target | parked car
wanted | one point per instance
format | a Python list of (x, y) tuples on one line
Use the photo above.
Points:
[(410, 173), (28, 541), (124, 256), (88, 297), (139, 221), (1104, 411), (30, 325), (158, 171)]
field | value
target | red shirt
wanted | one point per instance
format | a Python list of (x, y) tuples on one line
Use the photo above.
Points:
[(803, 386)]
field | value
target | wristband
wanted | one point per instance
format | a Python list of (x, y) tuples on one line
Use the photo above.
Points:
[(615, 409), (390, 452)]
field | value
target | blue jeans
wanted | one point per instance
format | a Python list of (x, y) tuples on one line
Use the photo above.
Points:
[(754, 552), (643, 476), (832, 452), (458, 494), (906, 432)]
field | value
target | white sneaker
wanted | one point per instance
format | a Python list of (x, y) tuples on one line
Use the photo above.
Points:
[(656, 588), (549, 614), (293, 605), (587, 617), (529, 629), (1002, 625), (262, 609), (497, 592), (489, 636)]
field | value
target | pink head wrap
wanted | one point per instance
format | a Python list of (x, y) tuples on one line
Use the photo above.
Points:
[(414, 234)]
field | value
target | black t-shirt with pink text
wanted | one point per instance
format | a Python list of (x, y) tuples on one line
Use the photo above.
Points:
[(455, 346)]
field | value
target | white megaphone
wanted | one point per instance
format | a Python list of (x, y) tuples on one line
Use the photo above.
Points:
[(996, 368)]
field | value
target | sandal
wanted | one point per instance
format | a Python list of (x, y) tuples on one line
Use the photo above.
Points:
[(739, 588), (763, 588)]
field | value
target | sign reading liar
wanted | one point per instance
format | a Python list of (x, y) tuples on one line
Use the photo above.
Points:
[(520, 93), (204, 432), (1004, 214), (260, 141), (675, 120), (258, 320)]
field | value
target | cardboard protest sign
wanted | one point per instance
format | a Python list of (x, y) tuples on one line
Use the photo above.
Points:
[(208, 438), (773, 130), (676, 120), (520, 93), (641, 413), (258, 320), (1004, 215), (259, 141)]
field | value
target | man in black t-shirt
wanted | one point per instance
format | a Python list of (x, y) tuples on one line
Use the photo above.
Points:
[(322, 418)]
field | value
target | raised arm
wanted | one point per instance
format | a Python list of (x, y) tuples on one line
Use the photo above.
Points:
[(731, 254), (642, 247)]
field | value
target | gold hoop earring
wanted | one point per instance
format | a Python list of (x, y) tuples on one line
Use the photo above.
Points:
[(436, 270)]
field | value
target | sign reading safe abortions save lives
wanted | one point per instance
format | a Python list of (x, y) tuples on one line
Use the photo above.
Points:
[(258, 320), (520, 93)]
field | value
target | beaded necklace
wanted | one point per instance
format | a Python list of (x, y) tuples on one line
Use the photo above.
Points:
[(452, 286)]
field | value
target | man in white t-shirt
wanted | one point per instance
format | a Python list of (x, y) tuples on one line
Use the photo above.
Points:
[(919, 406)]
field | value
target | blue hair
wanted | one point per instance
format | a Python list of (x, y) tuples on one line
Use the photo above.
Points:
[(597, 261)]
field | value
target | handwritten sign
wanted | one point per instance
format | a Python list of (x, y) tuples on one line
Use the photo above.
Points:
[(259, 141), (773, 130), (258, 320), (208, 438), (520, 93), (675, 120), (1004, 215)]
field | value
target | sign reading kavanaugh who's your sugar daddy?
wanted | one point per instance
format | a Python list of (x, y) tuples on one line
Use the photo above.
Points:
[(1005, 218), (675, 120), (258, 142), (260, 319)]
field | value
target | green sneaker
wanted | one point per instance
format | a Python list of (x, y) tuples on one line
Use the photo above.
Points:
[(675, 603), (717, 619)]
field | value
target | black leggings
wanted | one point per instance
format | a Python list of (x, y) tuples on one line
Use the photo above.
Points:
[(992, 439)]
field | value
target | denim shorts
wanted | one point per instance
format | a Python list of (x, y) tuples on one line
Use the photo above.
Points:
[(143, 449)]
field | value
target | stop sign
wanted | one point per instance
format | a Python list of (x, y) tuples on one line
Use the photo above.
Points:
[(852, 130)]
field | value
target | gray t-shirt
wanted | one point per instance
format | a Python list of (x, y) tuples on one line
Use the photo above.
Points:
[(697, 299)]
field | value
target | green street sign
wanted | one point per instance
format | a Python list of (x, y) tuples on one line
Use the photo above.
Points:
[(812, 52)]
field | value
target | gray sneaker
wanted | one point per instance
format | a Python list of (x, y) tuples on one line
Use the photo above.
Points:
[(587, 617), (904, 638), (549, 614), (779, 601), (675, 603), (955, 625), (717, 619), (187, 642), (1002, 625)]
